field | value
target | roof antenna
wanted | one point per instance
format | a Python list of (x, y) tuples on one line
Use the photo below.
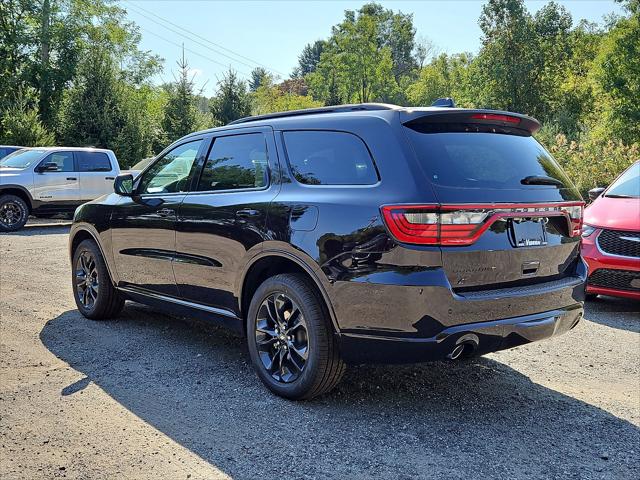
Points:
[(444, 102)]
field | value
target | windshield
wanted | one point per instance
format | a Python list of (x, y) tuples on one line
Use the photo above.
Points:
[(476, 159), (628, 185), (21, 158)]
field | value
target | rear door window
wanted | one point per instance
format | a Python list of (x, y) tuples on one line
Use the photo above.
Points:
[(329, 158), (235, 162), (93, 162), (477, 159)]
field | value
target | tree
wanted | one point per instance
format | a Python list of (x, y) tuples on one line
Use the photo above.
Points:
[(259, 76), (271, 98), (309, 58), (616, 72), (20, 125), (180, 112), (444, 76), (231, 101)]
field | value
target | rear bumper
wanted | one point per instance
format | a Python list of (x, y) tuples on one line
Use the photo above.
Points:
[(424, 319), (480, 338), (597, 260)]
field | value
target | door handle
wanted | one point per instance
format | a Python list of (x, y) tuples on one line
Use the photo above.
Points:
[(247, 213), (71, 178), (165, 212), (109, 178)]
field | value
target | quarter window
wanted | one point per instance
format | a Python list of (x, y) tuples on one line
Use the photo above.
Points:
[(63, 161), (171, 173), (329, 158), (235, 162), (93, 162)]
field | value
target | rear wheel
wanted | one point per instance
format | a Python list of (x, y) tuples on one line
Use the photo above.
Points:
[(290, 339), (95, 295), (14, 213)]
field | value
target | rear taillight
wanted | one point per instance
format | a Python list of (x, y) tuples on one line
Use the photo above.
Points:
[(463, 224)]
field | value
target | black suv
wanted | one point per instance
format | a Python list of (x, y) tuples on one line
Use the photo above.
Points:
[(350, 234)]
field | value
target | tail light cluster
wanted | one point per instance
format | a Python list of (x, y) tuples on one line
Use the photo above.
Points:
[(463, 224)]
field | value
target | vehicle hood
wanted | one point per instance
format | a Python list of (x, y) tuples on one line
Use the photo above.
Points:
[(614, 213), (9, 175)]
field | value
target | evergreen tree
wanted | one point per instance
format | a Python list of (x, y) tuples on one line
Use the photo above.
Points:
[(231, 101), (180, 112)]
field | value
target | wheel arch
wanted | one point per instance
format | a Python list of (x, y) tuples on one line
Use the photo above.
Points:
[(81, 233), (18, 191), (270, 263)]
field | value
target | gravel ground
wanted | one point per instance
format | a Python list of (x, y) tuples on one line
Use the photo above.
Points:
[(153, 396)]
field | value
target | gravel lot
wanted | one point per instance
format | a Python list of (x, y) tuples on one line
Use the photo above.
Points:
[(153, 396)]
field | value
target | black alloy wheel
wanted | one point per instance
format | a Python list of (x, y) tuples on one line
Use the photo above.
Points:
[(281, 337), (94, 293), (14, 213), (291, 339), (87, 282)]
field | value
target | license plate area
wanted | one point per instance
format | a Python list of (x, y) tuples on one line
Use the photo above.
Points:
[(527, 232)]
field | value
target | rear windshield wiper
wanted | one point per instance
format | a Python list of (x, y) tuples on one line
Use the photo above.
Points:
[(541, 180)]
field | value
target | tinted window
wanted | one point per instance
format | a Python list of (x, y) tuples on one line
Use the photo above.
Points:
[(171, 173), (93, 162), (238, 161), (63, 160), (329, 158), (483, 160), (628, 185)]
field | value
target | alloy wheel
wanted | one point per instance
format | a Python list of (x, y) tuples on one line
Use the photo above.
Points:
[(10, 214), (87, 279), (282, 338)]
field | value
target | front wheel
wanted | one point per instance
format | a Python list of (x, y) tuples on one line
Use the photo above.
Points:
[(290, 339), (14, 213), (95, 295)]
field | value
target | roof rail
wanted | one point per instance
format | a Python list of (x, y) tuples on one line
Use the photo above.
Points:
[(312, 111)]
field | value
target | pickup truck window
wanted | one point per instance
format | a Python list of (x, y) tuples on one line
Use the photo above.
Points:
[(93, 162), (64, 161)]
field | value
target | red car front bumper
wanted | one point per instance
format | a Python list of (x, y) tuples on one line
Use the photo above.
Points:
[(598, 260)]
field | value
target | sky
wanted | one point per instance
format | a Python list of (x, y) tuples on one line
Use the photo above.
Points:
[(243, 34)]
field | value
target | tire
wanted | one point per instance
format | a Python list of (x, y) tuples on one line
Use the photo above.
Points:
[(93, 291), (14, 213), (308, 319)]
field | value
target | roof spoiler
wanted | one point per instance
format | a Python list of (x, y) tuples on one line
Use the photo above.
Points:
[(470, 116)]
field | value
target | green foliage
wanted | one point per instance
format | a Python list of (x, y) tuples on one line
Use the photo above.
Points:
[(180, 112), (21, 125), (593, 162), (309, 59), (232, 100), (270, 98), (258, 76)]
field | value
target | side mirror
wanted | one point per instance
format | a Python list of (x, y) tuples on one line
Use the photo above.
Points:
[(123, 184), (595, 193), (48, 167)]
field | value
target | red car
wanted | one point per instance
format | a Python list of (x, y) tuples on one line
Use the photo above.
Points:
[(611, 237)]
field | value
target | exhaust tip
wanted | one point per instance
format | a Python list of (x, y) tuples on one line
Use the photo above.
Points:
[(456, 352)]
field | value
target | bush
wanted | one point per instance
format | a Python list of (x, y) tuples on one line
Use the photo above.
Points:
[(22, 126), (593, 163)]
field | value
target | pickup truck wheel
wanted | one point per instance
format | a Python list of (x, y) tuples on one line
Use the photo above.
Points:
[(14, 213), (291, 340), (95, 295)]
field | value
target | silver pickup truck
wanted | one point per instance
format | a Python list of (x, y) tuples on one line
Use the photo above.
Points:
[(52, 180)]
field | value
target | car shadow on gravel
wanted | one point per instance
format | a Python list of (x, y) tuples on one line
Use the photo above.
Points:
[(38, 230), (481, 418), (614, 312)]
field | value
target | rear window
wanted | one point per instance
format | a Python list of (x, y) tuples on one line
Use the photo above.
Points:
[(93, 162), (329, 158), (477, 159)]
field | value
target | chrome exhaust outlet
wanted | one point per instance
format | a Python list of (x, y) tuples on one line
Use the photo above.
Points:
[(456, 352)]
